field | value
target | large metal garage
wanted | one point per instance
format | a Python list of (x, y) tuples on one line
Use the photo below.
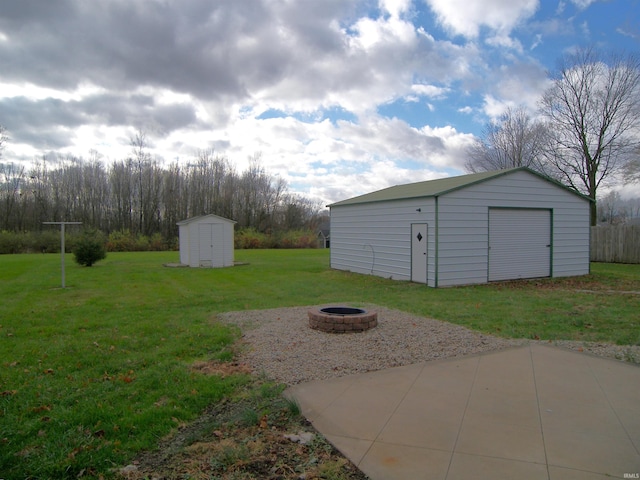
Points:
[(471, 229)]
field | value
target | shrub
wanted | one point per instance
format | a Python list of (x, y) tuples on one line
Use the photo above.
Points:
[(11, 242), (157, 243), (46, 241), (90, 248), (249, 238), (297, 239), (121, 241), (140, 243)]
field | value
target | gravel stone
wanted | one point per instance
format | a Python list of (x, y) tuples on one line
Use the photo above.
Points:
[(280, 344)]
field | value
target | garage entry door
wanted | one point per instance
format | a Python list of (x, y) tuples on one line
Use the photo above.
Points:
[(519, 243)]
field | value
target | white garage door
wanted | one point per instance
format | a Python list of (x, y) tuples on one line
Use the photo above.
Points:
[(519, 243)]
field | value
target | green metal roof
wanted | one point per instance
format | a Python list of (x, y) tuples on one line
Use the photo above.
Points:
[(435, 188)]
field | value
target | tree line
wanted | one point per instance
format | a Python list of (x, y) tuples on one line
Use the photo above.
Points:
[(143, 196)]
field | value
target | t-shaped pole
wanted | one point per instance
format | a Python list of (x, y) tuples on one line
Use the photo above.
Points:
[(62, 224)]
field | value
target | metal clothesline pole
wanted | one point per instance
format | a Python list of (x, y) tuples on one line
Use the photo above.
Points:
[(62, 224)]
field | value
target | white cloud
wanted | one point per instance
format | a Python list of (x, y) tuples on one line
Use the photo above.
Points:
[(395, 7), (463, 17), (393, 30), (333, 161), (582, 4), (504, 40), (429, 90), (584, 26), (37, 92), (493, 107), (536, 42)]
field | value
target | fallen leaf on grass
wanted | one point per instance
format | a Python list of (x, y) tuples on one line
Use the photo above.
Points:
[(74, 452), (224, 369), (41, 408), (263, 422), (8, 393)]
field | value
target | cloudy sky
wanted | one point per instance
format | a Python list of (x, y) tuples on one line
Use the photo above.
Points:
[(340, 97)]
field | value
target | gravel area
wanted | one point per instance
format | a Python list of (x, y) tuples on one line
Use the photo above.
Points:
[(279, 343)]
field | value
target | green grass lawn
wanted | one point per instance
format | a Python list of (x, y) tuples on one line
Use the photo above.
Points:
[(92, 374)]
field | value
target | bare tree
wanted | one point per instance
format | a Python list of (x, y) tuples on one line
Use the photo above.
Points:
[(122, 189), (298, 212), (632, 169), (592, 110), (41, 186), (174, 203), (253, 184), (3, 139), (206, 181), (610, 209), (95, 190), (140, 161), (12, 180), (515, 140)]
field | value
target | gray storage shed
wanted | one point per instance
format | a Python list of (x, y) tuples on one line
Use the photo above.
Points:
[(471, 229), (206, 241)]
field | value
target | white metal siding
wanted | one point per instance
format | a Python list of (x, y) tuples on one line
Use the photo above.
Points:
[(183, 233), (375, 238), (519, 243), (462, 242), (463, 226), (219, 248), (194, 244)]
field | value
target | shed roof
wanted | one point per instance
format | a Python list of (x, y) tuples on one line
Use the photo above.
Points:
[(435, 188), (202, 217)]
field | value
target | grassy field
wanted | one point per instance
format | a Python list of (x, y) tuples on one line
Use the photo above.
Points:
[(96, 372)]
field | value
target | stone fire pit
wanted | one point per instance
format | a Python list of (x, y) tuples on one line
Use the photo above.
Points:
[(342, 319)]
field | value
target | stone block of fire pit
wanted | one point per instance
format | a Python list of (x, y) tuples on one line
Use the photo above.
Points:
[(342, 319)]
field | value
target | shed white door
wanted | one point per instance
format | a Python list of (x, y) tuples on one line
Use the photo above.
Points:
[(211, 245), (419, 252), (519, 243)]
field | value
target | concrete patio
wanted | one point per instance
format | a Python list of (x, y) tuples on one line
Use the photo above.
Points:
[(533, 412)]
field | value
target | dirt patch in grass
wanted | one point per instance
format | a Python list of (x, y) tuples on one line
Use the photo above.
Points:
[(257, 434), (585, 283), (224, 369)]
